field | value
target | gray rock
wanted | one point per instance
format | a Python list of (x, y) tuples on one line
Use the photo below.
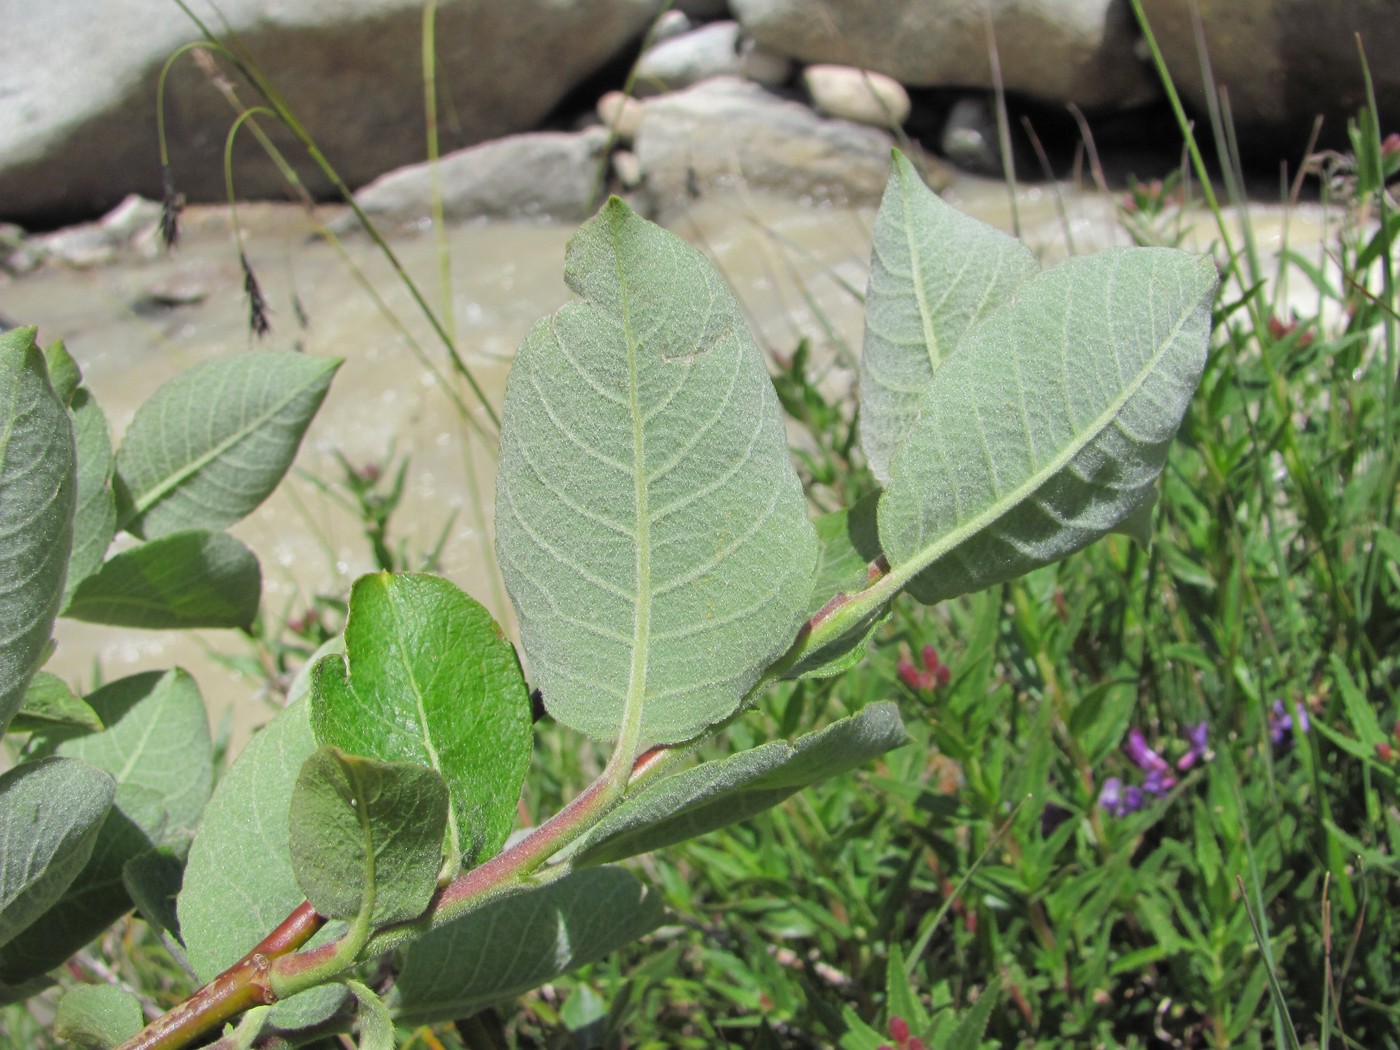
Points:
[(671, 24), (622, 113), (76, 136), (1058, 50), (763, 65), (627, 169), (1284, 61), (969, 137), (545, 174), (856, 94), (727, 131), (131, 224), (710, 51)]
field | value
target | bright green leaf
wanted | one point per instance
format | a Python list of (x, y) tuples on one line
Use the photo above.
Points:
[(1049, 426), (37, 495), (366, 836), (934, 274), (97, 1016), (50, 812), (188, 579), (212, 443), (517, 942), (49, 704), (651, 530), (715, 794), (429, 679), (239, 882), (95, 518)]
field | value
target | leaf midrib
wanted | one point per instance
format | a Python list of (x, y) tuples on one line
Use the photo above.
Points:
[(641, 618), (177, 478), (931, 552)]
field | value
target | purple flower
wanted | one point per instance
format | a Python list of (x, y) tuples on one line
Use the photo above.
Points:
[(1281, 722), (1120, 800), (1143, 756), (1158, 782), (1196, 751)]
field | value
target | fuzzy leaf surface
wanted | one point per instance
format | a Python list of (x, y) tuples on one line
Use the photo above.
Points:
[(156, 748), (186, 579), (97, 1016), (95, 517), (1049, 426), (64, 374), (715, 794), (519, 941), (934, 274), (367, 835), (213, 442), (49, 704), (157, 738), (428, 678), (50, 812), (651, 530), (38, 490), (239, 882)]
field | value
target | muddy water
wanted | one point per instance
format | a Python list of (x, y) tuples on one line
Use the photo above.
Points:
[(132, 326)]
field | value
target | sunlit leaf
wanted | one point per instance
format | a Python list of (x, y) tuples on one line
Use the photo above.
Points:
[(1049, 426), (213, 442), (934, 273), (652, 532), (429, 679)]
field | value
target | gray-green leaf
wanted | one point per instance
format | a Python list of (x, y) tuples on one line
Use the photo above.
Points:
[(716, 794), (37, 495), (239, 882), (156, 747), (934, 273), (187, 579), (49, 704), (50, 812), (212, 443), (652, 533), (97, 1016), (366, 836), (95, 518), (519, 941), (1049, 426), (429, 679)]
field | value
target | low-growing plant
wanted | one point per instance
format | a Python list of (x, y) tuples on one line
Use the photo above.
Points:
[(358, 866)]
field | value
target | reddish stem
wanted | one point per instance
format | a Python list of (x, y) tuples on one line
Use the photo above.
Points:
[(241, 987)]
